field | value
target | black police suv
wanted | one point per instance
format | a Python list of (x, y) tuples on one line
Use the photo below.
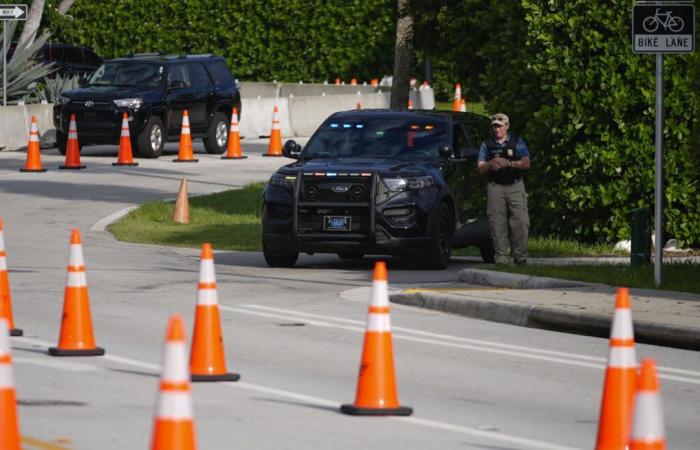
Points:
[(386, 182), (155, 90)]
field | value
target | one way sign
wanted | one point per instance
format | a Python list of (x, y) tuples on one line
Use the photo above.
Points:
[(13, 12)]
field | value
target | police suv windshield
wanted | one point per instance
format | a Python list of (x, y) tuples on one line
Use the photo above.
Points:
[(131, 74), (385, 139)]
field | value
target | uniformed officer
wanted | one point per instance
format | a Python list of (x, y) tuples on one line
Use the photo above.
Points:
[(503, 158)]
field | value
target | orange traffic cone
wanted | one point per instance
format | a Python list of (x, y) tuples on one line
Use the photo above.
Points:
[(5, 297), (9, 423), (181, 212), (33, 163), (458, 97), (648, 431), (125, 157), (185, 153), (463, 105), (275, 146), (374, 82), (359, 101), (233, 148), (353, 82), (410, 104), (72, 147), (76, 338), (207, 361), (376, 386), (174, 417), (337, 81), (620, 379)]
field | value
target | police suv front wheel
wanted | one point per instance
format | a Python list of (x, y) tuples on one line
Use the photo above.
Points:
[(439, 251), (277, 257)]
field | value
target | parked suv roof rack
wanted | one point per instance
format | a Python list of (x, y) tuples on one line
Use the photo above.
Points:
[(143, 55)]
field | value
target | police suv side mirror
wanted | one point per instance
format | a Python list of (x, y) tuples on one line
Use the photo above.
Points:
[(291, 149), (445, 151)]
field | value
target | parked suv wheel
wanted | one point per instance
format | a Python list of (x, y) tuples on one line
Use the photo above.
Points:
[(149, 144), (217, 135)]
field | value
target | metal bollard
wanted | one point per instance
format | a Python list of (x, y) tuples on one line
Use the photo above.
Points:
[(640, 252)]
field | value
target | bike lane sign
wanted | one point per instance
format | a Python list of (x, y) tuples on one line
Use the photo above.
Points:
[(663, 28)]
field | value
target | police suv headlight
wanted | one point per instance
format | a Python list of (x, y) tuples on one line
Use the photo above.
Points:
[(131, 103), (401, 184), (62, 100), (389, 188), (283, 181)]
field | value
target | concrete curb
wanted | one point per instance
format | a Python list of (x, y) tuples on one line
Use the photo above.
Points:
[(536, 316), (516, 280)]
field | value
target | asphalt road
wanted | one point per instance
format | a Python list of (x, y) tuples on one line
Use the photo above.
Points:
[(294, 335)]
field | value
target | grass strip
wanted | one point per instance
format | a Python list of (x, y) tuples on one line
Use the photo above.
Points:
[(676, 276), (228, 220)]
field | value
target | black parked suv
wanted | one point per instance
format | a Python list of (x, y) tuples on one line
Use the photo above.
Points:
[(400, 183), (155, 90)]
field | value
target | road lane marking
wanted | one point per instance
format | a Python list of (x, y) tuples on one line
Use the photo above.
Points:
[(665, 373), (101, 224), (36, 443), (469, 431), (55, 364)]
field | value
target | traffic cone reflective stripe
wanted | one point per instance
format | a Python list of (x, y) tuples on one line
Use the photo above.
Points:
[(72, 147), (5, 295), (77, 337), (9, 422), (207, 360), (376, 387), (274, 148), (463, 105), (33, 162), (233, 148), (185, 152), (648, 430), (456, 104), (125, 157), (620, 379), (174, 418)]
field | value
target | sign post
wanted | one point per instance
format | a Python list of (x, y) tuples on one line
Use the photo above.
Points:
[(661, 27), (8, 12)]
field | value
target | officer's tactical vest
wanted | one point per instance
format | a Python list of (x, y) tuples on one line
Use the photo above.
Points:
[(506, 175)]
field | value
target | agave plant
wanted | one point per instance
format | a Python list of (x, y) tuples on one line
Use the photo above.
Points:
[(23, 72), (49, 89)]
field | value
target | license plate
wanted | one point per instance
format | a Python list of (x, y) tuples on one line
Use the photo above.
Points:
[(337, 223)]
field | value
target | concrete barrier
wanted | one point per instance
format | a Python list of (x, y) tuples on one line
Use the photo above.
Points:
[(255, 89), (256, 120), (316, 89), (15, 122), (307, 113), (299, 115)]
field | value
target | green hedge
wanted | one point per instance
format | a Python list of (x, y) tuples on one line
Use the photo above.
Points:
[(286, 40)]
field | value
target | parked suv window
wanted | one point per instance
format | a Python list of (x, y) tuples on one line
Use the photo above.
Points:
[(220, 73), (178, 73), (198, 75), (120, 74)]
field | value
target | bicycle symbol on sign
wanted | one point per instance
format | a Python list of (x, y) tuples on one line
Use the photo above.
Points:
[(666, 20)]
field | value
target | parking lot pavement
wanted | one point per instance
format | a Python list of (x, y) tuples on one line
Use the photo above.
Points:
[(660, 317)]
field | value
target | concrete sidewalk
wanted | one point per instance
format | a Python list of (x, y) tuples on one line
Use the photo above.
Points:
[(660, 317)]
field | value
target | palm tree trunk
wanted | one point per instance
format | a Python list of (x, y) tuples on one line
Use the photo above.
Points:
[(402, 58), (32, 24)]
